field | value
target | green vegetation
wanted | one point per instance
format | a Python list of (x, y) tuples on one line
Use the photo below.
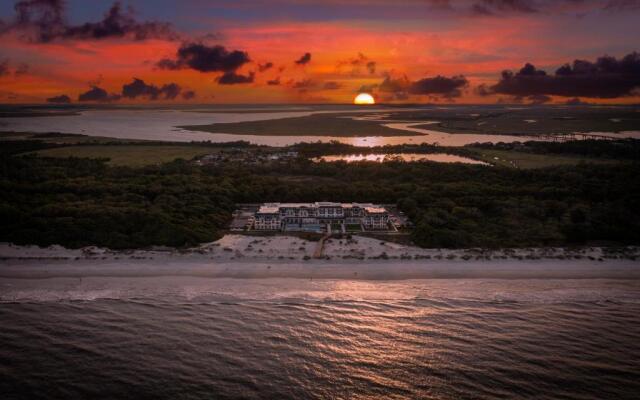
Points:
[(526, 120), (79, 201), (129, 155), (63, 138), (525, 160), (498, 120), (544, 154), (341, 125)]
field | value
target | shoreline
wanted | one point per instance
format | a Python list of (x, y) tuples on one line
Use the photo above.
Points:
[(362, 258), (378, 270)]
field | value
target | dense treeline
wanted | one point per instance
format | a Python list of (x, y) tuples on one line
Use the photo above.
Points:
[(9, 147), (77, 202), (628, 149), (335, 147)]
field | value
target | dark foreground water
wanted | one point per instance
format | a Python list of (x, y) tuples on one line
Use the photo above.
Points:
[(443, 339)]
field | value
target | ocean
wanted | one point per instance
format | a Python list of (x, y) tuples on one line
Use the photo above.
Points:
[(202, 338)]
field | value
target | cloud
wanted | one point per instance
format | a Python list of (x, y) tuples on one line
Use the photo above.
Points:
[(359, 62), (305, 59), (62, 99), (44, 21), (331, 85), (439, 86), (203, 58), (188, 94), (622, 5), (397, 96), (98, 94), (371, 67), (605, 78), (303, 84), (231, 78), (392, 85), (492, 7), (138, 88), (274, 82), (265, 66), (539, 99), (576, 102)]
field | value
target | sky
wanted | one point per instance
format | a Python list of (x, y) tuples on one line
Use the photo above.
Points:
[(320, 51)]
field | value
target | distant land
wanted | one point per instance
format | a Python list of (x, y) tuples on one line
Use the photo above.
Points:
[(489, 120)]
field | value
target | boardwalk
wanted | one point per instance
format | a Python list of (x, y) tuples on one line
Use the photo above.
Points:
[(320, 246)]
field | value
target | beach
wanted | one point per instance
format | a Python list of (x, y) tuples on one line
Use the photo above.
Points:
[(362, 258), (267, 320)]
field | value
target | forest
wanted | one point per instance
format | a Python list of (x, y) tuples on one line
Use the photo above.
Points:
[(77, 202)]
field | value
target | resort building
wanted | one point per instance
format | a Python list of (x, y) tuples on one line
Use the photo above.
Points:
[(314, 216)]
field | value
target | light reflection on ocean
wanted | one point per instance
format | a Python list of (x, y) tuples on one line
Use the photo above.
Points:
[(194, 338)]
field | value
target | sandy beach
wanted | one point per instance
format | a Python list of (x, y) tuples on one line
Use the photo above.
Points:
[(240, 256)]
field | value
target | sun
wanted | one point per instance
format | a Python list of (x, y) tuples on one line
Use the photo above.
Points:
[(364, 98)]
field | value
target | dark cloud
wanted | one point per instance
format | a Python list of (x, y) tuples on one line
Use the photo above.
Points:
[(171, 90), (551, 7), (371, 67), (439, 86), (392, 85), (274, 82), (576, 102), (483, 90), (265, 66), (539, 99), (188, 94), (397, 96), (305, 59), (622, 5), (62, 99), (138, 88), (607, 77), (303, 84), (231, 78), (359, 62), (491, 7), (98, 94), (203, 58), (331, 85), (44, 21)]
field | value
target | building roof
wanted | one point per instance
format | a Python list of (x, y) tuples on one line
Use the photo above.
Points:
[(327, 204), (274, 208), (268, 209), (375, 210)]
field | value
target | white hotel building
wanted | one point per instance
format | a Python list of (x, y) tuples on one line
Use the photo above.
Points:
[(312, 216)]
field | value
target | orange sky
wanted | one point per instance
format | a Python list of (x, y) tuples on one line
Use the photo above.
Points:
[(478, 47)]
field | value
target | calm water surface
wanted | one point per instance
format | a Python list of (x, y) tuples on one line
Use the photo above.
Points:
[(439, 157), (196, 338), (154, 124)]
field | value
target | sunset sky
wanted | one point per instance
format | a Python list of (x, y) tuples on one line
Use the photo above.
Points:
[(319, 51)]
